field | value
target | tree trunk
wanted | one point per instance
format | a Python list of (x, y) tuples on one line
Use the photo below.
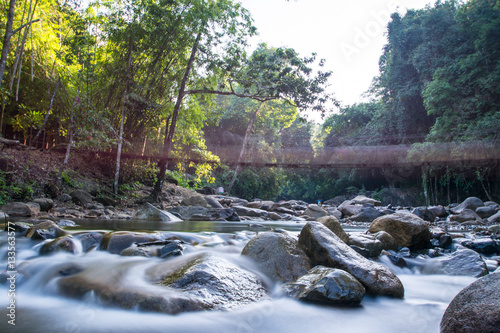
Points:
[(6, 39), (122, 120), (424, 183), (162, 164), (243, 148), (70, 141)]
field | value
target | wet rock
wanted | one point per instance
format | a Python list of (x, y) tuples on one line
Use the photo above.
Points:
[(45, 204), (18, 227), (471, 203), (251, 212), (134, 251), (315, 212), (81, 197), (172, 249), (462, 262), (328, 286), (486, 211), (325, 248), (439, 211), (213, 202), (334, 225), (407, 229), (21, 209), (45, 230), (90, 241), (216, 282), (115, 242), (494, 218), (445, 241), (388, 242), (362, 200), (367, 214), (494, 229), (424, 213), (361, 250), (482, 245), (394, 258), (369, 242), (475, 308), (195, 200), (349, 209), (151, 213), (335, 213), (464, 216), (275, 216), (60, 244), (66, 223), (278, 256)]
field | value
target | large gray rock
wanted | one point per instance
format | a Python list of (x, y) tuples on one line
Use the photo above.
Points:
[(213, 202), (369, 242), (334, 225), (407, 229), (325, 248), (46, 204), (21, 209), (462, 262), (251, 212), (278, 256), (117, 241), (315, 211), (348, 208), (475, 308), (494, 218), (361, 200), (326, 285), (471, 203), (367, 214), (439, 211), (151, 213), (195, 200), (218, 283), (486, 211), (388, 242), (81, 197), (464, 216)]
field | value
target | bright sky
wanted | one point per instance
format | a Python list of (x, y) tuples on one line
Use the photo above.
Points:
[(348, 34)]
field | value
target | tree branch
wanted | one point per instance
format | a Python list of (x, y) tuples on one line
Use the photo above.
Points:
[(24, 25)]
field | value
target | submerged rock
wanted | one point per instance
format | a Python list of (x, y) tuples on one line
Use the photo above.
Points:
[(462, 262), (326, 285), (475, 308), (115, 242), (407, 229), (325, 248), (278, 256)]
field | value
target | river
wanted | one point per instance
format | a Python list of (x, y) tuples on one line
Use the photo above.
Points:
[(40, 307)]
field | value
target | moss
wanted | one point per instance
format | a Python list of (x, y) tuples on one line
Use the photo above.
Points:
[(181, 272)]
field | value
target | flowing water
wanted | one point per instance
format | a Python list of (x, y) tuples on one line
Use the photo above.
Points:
[(41, 308)]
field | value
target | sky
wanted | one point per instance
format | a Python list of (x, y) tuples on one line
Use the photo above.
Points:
[(348, 34)]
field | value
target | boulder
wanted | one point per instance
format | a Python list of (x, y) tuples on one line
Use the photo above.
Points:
[(21, 209), (369, 242), (424, 213), (486, 211), (471, 203), (116, 241), (195, 200), (494, 218), (361, 200), (335, 213), (278, 256), (60, 244), (464, 216), (91, 241), (325, 248), (347, 208), (151, 213), (407, 229), (81, 197), (494, 229), (45, 230), (334, 225), (475, 308), (45, 204), (213, 202), (216, 282), (367, 214), (327, 286), (315, 211), (439, 211), (461, 262), (106, 201), (251, 212), (388, 242), (482, 245)]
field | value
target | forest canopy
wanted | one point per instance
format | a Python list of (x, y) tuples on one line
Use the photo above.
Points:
[(175, 84)]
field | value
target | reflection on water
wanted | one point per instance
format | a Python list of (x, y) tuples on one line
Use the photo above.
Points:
[(41, 309)]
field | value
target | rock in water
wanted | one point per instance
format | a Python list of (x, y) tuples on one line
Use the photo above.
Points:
[(407, 229), (461, 262), (475, 308), (151, 213), (278, 256), (470, 203), (333, 224), (327, 285), (325, 248)]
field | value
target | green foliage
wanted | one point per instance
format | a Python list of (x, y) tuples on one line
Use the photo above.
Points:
[(69, 177), (18, 190)]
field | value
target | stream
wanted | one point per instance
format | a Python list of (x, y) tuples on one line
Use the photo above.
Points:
[(41, 308)]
